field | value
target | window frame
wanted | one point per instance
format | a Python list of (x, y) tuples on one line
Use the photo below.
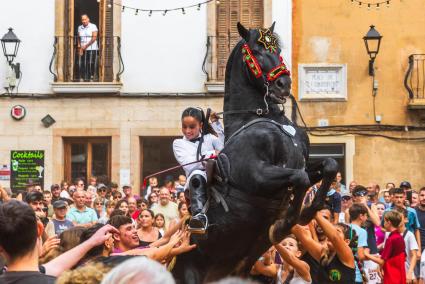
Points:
[(89, 141)]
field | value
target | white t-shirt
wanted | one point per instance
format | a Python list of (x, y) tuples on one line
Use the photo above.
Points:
[(85, 33)]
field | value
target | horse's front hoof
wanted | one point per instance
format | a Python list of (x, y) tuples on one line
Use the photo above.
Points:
[(307, 214)]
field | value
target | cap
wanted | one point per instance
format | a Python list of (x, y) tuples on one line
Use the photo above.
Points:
[(59, 204), (405, 184), (101, 185), (54, 186), (346, 196), (34, 196)]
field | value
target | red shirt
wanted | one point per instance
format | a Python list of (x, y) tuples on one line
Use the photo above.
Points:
[(394, 256)]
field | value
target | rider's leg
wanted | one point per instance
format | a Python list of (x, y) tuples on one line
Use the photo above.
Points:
[(198, 198)]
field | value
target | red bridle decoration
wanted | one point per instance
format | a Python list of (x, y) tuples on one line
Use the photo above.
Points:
[(252, 63)]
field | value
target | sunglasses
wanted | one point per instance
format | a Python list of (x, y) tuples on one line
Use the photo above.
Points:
[(361, 193), (346, 198), (99, 203), (102, 190)]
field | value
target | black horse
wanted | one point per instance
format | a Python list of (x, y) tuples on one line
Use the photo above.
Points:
[(261, 174)]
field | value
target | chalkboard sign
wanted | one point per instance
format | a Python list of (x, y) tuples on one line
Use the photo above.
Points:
[(26, 167)]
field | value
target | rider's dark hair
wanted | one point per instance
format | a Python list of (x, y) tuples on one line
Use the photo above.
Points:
[(200, 116)]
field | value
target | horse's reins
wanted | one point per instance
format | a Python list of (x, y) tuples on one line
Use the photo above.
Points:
[(211, 157)]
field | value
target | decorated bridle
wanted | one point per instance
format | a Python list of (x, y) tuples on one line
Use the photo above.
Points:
[(270, 43)]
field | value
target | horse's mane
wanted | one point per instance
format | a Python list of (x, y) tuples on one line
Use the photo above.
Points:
[(230, 64)]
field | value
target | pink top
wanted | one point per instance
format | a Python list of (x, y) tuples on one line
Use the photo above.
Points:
[(380, 235)]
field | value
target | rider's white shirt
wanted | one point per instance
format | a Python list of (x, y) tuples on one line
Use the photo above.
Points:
[(185, 151)]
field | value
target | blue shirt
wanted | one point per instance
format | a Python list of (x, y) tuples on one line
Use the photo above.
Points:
[(412, 219), (361, 243), (88, 215)]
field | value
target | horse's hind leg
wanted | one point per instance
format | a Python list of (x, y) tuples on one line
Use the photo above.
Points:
[(328, 170), (282, 227)]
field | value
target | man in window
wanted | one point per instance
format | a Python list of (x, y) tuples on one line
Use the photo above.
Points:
[(87, 49)]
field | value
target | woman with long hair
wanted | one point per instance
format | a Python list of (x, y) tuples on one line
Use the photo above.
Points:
[(147, 232)]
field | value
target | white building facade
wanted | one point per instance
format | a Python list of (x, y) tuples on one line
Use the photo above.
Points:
[(120, 121)]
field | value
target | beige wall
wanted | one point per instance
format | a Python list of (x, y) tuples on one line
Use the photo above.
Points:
[(332, 32), (123, 119)]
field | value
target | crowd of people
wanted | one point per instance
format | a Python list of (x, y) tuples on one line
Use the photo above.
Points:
[(363, 234), (78, 233)]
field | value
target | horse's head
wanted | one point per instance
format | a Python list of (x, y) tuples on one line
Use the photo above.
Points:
[(264, 65)]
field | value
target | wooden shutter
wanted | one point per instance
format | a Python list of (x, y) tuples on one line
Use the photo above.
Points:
[(106, 41), (229, 13)]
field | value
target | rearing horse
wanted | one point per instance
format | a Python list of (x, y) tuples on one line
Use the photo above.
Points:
[(261, 174)]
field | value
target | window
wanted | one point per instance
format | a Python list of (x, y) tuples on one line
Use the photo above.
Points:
[(157, 154), (86, 157), (229, 13), (319, 152)]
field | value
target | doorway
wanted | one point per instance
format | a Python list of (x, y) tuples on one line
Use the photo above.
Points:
[(88, 7)]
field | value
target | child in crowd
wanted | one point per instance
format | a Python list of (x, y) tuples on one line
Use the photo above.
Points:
[(292, 270), (393, 256), (358, 215), (411, 246), (199, 140), (160, 223)]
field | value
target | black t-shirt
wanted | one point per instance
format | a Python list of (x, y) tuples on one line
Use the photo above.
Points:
[(371, 237), (25, 277), (421, 218), (337, 272)]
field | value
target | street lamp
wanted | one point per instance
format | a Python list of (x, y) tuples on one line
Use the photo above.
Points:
[(10, 44), (372, 41)]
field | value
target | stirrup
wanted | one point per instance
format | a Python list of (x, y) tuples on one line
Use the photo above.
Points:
[(199, 230)]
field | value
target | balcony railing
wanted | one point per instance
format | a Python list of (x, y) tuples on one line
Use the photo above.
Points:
[(101, 61), (415, 77)]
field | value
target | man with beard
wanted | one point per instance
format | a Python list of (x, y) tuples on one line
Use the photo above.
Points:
[(166, 207), (55, 189), (35, 199)]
